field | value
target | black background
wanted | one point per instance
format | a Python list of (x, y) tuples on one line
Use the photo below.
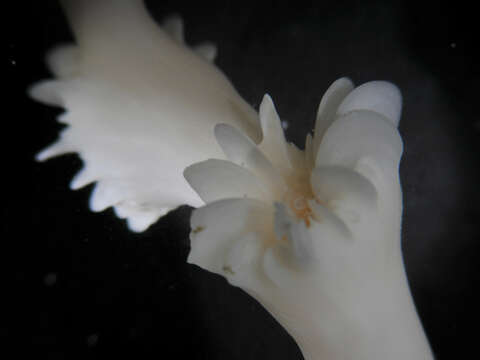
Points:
[(118, 293)]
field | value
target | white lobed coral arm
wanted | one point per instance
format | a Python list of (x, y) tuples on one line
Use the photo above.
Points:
[(337, 184), (239, 149), (378, 96), (328, 107), (218, 226), (231, 181), (362, 134), (273, 143), (140, 107)]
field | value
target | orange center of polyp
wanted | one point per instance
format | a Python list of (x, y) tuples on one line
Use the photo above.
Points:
[(297, 196)]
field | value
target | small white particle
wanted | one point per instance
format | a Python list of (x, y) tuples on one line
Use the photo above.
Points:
[(284, 124), (50, 279), (92, 340), (13, 62), (453, 45)]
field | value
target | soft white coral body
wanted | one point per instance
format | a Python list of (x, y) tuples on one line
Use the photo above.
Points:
[(314, 235)]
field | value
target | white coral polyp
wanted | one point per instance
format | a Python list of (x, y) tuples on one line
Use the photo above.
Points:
[(314, 235), (292, 194)]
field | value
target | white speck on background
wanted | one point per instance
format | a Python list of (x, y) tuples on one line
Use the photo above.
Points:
[(50, 279), (92, 340), (284, 124)]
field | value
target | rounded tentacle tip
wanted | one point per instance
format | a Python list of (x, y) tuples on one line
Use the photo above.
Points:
[(378, 96), (173, 26)]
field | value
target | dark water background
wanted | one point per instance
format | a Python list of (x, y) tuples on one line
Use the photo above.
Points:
[(79, 285)]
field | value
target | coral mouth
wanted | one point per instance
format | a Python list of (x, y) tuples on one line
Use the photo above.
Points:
[(300, 208), (297, 199)]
